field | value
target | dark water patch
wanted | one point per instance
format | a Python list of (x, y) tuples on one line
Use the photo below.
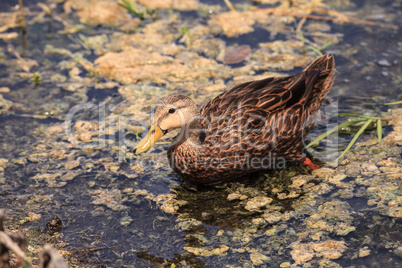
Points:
[(259, 35), (358, 203), (88, 226), (212, 208), (387, 130), (210, 205), (376, 62), (99, 95), (17, 133), (189, 259), (189, 14), (379, 234)]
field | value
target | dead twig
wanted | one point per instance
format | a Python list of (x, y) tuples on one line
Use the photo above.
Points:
[(2, 218), (13, 242), (341, 15), (91, 249), (9, 244), (229, 4), (23, 22), (345, 19)]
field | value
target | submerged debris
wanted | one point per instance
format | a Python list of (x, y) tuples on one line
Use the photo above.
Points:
[(54, 225), (237, 54)]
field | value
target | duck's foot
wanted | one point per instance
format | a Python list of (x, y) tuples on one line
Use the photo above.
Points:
[(310, 164)]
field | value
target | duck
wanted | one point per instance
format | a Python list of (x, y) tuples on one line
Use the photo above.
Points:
[(257, 125)]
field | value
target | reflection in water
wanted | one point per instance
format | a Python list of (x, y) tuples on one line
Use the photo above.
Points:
[(234, 214)]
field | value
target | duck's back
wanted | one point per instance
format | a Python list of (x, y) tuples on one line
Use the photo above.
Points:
[(275, 94)]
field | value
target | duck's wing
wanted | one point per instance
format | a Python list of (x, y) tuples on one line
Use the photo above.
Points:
[(278, 105), (277, 93), (256, 105)]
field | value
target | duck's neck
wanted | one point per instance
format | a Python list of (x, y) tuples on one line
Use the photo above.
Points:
[(188, 140)]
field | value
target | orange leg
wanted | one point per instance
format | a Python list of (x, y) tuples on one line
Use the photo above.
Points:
[(310, 164)]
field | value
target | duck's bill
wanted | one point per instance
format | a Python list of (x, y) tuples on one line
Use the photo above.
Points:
[(154, 134)]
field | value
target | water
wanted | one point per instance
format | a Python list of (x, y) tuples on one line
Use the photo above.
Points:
[(108, 224)]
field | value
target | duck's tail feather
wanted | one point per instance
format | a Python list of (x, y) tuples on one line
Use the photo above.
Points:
[(319, 80)]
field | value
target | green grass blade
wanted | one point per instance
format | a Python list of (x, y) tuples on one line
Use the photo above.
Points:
[(301, 35), (326, 134), (379, 130), (364, 116), (131, 7), (316, 50), (349, 115), (393, 103), (354, 115), (355, 137), (326, 45)]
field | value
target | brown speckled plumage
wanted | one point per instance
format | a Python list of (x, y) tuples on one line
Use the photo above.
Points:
[(254, 121)]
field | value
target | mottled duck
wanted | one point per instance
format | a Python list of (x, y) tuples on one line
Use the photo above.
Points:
[(254, 126)]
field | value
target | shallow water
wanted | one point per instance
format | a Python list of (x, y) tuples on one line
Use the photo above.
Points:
[(114, 210)]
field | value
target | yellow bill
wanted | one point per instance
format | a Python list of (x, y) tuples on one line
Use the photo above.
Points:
[(154, 134)]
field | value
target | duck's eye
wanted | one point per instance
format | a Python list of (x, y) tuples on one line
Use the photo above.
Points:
[(172, 110)]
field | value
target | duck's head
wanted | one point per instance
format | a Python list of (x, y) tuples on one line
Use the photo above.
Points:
[(173, 112)]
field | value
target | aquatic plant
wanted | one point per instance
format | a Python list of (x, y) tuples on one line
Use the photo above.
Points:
[(311, 47), (186, 36), (369, 121), (36, 79), (132, 8)]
